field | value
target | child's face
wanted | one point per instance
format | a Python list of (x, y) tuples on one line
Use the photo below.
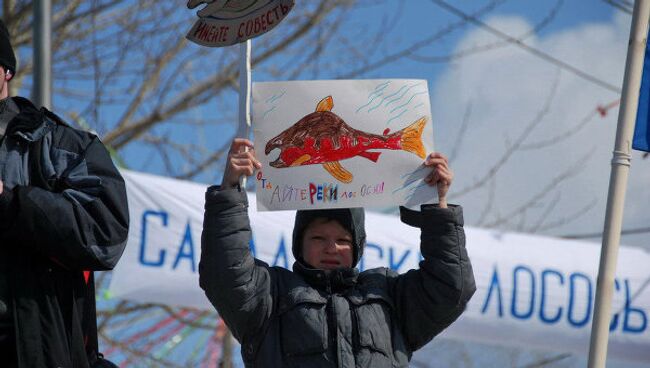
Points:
[(327, 245)]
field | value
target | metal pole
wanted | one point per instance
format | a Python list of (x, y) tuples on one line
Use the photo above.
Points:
[(244, 94), (42, 90), (618, 184)]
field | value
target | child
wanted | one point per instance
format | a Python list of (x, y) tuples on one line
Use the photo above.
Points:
[(325, 313)]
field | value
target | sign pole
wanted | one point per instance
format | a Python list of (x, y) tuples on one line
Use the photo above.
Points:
[(618, 184), (227, 22), (244, 93)]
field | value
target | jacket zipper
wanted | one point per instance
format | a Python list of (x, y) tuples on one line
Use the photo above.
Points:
[(332, 330)]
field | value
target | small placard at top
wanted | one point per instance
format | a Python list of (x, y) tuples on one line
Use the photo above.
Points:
[(227, 22)]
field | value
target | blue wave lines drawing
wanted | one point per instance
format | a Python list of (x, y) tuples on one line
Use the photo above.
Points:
[(272, 100), (268, 111), (375, 94), (403, 99), (275, 97), (408, 102), (395, 117), (412, 181)]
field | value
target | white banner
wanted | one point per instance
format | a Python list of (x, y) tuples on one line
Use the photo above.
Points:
[(532, 291)]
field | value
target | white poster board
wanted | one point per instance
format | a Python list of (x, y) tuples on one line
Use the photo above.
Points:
[(342, 143)]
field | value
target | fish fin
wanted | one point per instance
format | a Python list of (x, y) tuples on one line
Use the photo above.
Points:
[(411, 140), (300, 160), (325, 104), (372, 156), (339, 172)]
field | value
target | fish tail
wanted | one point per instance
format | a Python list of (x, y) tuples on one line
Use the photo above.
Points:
[(411, 140)]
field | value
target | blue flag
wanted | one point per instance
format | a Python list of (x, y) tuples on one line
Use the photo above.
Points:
[(641, 140)]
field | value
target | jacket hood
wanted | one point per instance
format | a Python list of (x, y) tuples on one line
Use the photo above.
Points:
[(352, 219)]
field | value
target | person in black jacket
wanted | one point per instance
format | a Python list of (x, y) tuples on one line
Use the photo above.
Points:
[(325, 313), (63, 214)]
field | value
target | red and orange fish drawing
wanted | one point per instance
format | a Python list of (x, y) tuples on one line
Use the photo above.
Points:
[(322, 137)]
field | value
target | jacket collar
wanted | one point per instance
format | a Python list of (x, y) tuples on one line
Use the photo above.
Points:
[(330, 280), (31, 123)]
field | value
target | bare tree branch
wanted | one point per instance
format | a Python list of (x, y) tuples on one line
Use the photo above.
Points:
[(512, 149), (494, 45), (537, 197), (420, 44)]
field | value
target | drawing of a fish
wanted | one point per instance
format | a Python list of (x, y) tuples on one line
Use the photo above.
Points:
[(322, 137)]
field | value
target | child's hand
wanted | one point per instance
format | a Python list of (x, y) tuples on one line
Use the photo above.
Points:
[(241, 161), (441, 175)]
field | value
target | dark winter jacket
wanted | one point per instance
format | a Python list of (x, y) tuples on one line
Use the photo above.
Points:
[(342, 318), (63, 212)]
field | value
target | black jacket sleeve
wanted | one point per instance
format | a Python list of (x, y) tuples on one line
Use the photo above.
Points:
[(82, 222), (238, 285), (429, 299)]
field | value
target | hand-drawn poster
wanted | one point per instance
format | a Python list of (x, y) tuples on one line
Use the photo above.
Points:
[(342, 143)]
